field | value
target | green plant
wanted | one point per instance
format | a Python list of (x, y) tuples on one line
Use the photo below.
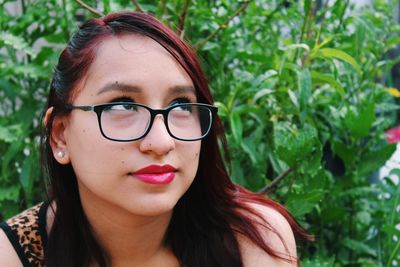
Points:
[(300, 86)]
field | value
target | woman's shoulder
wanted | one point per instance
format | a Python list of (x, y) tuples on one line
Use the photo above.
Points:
[(276, 233), (22, 237), (8, 255)]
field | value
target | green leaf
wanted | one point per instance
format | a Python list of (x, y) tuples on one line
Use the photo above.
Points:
[(318, 77), (16, 42), (30, 70), (293, 145), (319, 180), (358, 246), (364, 217), (261, 93), (26, 178), (304, 86), (359, 119), (7, 88), (346, 153), (307, 6), (339, 54), (323, 43), (236, 127), (10, 207), (301, 204), (107, 6), (321, 261), (250, 148), (9, 193), (373, 159), (294, 99), (209, 46), (222, 109), (269, 73), (10, 133), (12, 150), (55, 38), (392, 42), (313, 165), (237, 173), (332, 214)]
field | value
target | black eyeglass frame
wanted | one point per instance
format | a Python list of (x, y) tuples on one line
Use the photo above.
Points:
[(98, 109)]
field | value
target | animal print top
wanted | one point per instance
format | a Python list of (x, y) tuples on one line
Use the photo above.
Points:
[(27, 233)]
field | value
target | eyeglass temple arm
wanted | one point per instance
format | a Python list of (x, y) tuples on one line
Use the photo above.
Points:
[(85, 108)]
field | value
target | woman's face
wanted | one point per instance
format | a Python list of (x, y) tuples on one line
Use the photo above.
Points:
[(137, 69)]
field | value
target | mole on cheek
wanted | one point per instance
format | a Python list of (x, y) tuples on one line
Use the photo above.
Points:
[(123, 162), (122, 149), (83, 131)]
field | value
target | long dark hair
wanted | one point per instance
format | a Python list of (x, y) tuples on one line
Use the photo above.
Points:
[(205, 220)]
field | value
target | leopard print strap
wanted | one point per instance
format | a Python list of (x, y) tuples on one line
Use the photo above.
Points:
[(27, 233)]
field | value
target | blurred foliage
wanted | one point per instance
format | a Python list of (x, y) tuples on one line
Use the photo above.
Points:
[(302, 88)]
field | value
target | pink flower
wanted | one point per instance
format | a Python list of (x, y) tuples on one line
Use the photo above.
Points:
[(393, 135)]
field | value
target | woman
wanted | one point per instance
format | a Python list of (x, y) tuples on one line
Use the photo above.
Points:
[(136, 177)]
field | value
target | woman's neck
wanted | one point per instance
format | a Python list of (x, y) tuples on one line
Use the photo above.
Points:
[(129, 239)]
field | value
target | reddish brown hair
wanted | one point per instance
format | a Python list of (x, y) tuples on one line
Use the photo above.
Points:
[(201, 229)]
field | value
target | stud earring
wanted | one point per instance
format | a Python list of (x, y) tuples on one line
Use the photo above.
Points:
[(60, 154)]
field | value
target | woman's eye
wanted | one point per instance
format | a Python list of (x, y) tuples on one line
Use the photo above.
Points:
[(186, 107), (182, 100), (128, 107), (183, 104)]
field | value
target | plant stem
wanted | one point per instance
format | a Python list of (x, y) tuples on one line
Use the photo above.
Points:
[(182, 18), (304, 26), (137, 5), (64, 27), (393, 254), (305, 32), (351, 228), (274, 182), (223, 25), (91, 9), (321, 22), (164, 8), (346, 4), (23, 7)]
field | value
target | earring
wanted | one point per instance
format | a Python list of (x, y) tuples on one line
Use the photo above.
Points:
[(61, 154)]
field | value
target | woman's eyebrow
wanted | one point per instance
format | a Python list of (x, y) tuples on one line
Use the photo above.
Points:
[(116, 86), (127, 88), (179, 89)]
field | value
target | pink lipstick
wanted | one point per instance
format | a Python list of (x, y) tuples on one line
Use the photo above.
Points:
[(156, 174)]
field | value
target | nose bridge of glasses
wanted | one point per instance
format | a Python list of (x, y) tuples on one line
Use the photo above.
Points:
[(159, 114)]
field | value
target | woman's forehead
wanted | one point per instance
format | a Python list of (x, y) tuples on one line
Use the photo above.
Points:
[(130, 43), (134, 59)]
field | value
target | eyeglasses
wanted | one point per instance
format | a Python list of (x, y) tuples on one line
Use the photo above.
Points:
[(125, 122)]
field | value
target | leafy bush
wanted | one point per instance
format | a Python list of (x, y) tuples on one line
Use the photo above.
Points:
[(300, 86)]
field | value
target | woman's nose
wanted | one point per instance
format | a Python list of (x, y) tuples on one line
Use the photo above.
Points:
[(158, 140)]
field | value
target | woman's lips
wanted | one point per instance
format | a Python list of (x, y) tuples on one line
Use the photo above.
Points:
[(156, 174)]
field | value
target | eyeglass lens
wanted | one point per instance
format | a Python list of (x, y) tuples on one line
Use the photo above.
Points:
[(130, 121)]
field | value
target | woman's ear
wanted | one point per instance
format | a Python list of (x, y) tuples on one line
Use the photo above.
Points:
[(57, 140)]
